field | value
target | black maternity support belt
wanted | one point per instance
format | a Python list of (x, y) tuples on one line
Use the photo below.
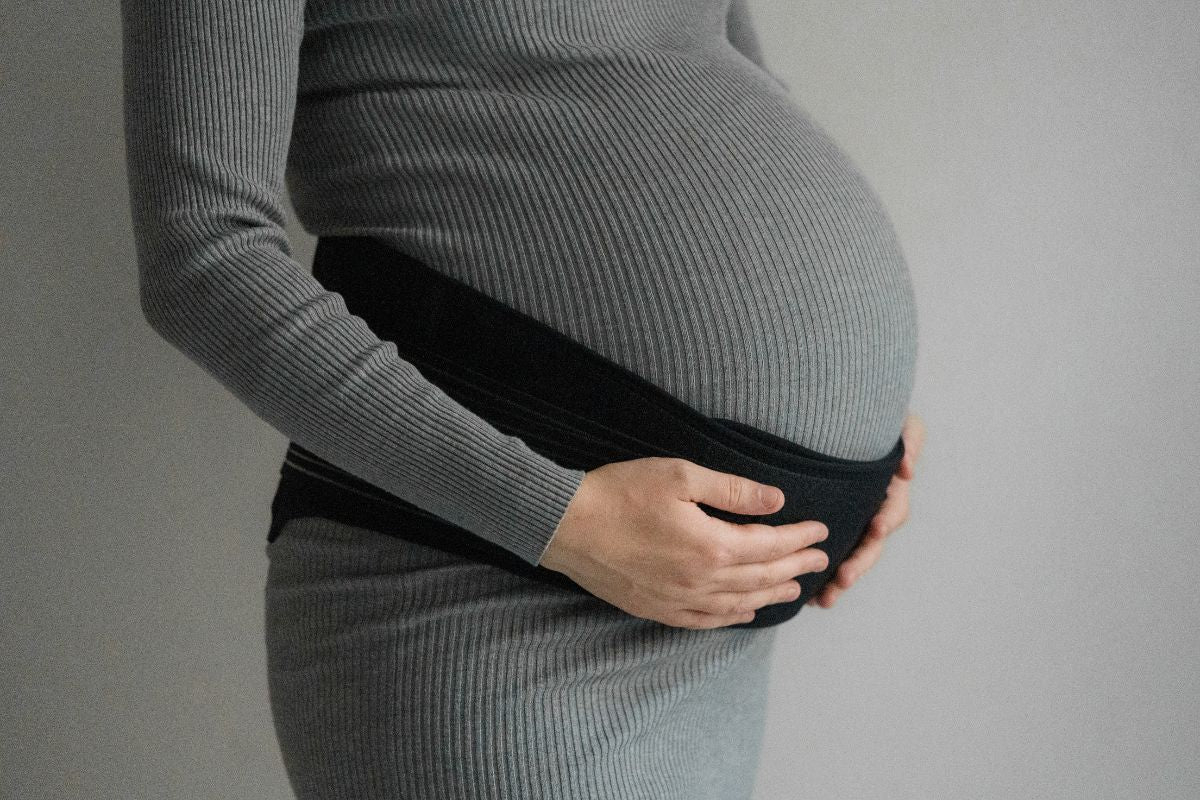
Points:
[(564, 400)]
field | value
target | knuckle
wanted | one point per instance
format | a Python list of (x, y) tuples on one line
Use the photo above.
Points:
[(735, 488), (687, 581), (726, 606), (777, 546), (698, 567), (813, 561), (678, 469), (716, 554), (664, 592), (784, 577)]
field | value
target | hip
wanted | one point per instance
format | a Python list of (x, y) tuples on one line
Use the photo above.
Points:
[(400, 670)]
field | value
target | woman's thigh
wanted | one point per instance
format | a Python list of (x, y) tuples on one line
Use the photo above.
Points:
[(398, 670)]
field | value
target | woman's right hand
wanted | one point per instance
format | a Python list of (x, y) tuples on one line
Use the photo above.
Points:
[(633, 535)]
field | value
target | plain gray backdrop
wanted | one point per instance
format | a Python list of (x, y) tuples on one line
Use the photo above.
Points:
[(1031, 632)]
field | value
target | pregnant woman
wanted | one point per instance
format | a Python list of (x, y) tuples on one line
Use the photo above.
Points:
[(625, 172)]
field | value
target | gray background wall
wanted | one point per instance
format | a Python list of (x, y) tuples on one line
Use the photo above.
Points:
[(1031, 632)]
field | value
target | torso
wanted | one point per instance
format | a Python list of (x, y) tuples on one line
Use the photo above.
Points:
[(629, 178)]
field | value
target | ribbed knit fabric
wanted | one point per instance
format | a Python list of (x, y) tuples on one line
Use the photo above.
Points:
[(401, 672), (625, 171)]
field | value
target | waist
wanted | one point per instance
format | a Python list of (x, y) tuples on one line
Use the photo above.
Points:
[(565, 400)]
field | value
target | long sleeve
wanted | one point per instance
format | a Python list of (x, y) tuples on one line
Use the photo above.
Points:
[(743, 36), (209, 97)]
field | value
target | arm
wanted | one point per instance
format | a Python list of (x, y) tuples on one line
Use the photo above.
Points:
[(209, 95), (743, 36)]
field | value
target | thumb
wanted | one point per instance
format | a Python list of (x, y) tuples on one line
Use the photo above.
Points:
[(730, 492)]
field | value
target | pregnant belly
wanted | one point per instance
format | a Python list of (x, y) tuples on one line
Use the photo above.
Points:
[(712, 239)]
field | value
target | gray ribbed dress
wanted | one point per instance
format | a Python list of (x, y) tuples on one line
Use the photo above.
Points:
[(628, 172)]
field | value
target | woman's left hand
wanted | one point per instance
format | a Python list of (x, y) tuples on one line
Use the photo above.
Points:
[(891, 515)]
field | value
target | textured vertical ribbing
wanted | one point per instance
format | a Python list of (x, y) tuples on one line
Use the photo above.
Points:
[(399, 671), (618, 169), (210, 92)]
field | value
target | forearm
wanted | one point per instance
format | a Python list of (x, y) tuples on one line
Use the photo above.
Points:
[(210, 89)]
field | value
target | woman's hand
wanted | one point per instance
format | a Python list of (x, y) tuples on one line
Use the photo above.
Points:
[(891, 515), (633, 535)]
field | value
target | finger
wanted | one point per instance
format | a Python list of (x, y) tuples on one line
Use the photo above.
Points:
[(878, 526), (913, 433), (861, 560), (894, 511), (724, 603), (724, 490), (827, 596), (918, 435), (752, 542), (906, 467), (761, 574), (888, 517)]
